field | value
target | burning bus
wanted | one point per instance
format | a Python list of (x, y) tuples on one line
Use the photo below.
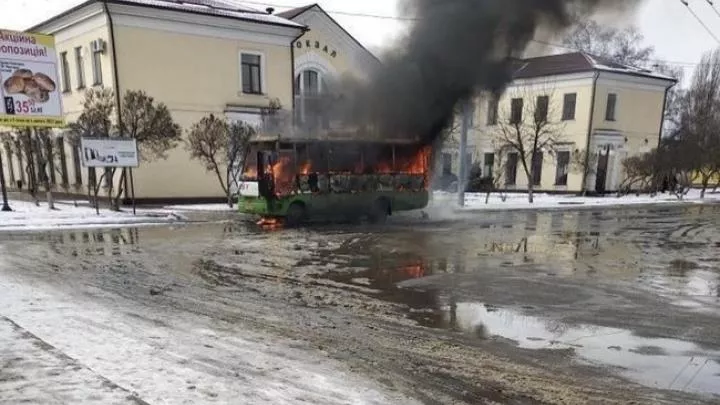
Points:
[(297, 180)]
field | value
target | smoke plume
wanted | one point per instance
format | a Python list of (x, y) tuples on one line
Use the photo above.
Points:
[(454, 49)]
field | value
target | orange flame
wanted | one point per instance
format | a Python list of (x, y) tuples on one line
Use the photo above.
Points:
[(283, 172), (271, 224), (414, 270)]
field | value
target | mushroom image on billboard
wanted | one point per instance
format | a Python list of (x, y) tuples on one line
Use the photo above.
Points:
[(28, 74)]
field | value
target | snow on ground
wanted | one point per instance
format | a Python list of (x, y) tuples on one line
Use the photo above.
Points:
[(158, 354), (515, 201), (27, 216), (200, 207), (24, 357)]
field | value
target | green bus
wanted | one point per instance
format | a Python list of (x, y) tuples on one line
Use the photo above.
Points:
[(299, 180)]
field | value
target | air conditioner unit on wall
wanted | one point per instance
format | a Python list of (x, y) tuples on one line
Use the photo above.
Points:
[(97, 45)]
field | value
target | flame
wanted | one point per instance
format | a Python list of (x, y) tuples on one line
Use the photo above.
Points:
[(283, 175), (284, 171), (250, 172), (270, 223), (414, 270)]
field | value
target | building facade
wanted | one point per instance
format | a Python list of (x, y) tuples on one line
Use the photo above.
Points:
[(322, 57), (612, 111), (197, 57)]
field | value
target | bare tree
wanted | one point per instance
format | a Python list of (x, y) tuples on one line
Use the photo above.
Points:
[(700, 118), (44, 156), (494, 179), (94, 121), (671, 167), (639, 171), (529, 129), (150, 123), (238, 148), (207, 141), (584, 163), (624, 46), (216, 143), (6, 139)]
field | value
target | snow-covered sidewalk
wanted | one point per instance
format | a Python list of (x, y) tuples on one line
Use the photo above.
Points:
[(27, 216), (519, 201)]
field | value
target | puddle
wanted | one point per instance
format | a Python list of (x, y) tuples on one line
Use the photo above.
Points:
[(659, 363), (501, 263)]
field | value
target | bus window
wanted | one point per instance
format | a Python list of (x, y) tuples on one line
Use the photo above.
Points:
[(283, 172), (345, 158), (250, 165)]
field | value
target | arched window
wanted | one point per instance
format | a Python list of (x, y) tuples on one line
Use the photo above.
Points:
[(309, 107)]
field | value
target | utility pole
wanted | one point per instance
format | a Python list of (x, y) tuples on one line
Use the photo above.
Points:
[(467, 110), (5, 206)]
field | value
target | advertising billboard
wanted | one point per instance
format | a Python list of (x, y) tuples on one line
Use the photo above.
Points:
[(109, 152), (29, 89)]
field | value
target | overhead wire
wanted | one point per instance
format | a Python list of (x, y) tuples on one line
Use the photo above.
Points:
[(397, 18), (712, 6), (709, 31)]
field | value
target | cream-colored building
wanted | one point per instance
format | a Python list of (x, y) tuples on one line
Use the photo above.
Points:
[(614, 111), (324, 55), (196, 56)]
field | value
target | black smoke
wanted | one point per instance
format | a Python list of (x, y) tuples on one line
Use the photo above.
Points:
[(454, 49)]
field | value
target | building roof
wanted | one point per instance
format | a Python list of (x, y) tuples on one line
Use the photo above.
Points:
[(293, 13), (577, 62), (218, 8)]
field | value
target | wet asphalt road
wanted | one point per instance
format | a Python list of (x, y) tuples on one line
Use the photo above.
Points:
[(613, 306)]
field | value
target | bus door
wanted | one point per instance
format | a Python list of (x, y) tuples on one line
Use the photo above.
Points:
[(266, 183)]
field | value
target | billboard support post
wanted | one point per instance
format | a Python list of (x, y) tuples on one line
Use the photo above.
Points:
[(132, 190)]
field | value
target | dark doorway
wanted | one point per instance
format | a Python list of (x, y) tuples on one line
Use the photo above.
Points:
[(602, 168)]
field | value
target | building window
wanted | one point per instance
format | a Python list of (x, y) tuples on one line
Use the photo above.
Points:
[(563, 164), (488, 165), (97, 68), (309, 110), (569, 103), (516, 110), (251, 67), (537, 165), (60, 146), (511, 169), (80, 65), (611, 104), (541, 109), (65, 71), (492, 114), (77, 165), (446, 163)]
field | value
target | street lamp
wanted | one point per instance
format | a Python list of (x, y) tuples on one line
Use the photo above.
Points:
[(5, 206)]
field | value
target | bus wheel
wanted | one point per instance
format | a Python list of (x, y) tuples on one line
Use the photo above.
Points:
[(295, 214), (379, 211)]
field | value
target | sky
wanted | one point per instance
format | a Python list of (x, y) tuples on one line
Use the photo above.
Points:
[(668, 25)]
